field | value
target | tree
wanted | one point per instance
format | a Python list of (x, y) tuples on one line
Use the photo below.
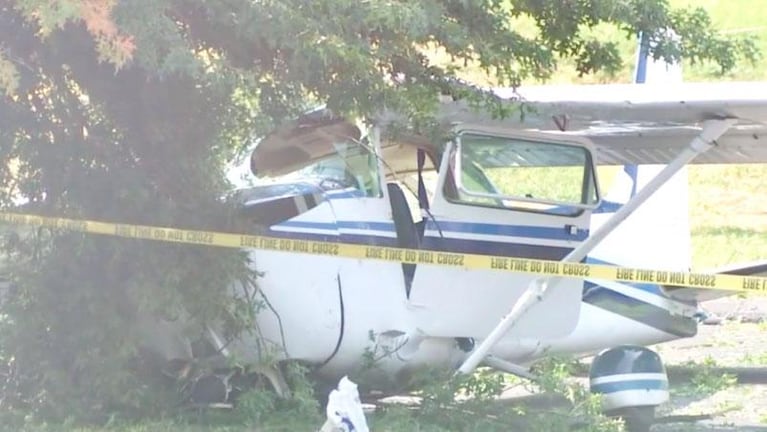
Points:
[(128, 111)]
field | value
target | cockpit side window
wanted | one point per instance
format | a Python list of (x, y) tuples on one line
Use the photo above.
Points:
[(522, 174), (353, 165)]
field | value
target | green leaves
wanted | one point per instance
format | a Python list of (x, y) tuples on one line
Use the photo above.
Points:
[(358, 57)]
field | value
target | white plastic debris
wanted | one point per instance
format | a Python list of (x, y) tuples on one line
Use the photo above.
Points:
[(344, 409)]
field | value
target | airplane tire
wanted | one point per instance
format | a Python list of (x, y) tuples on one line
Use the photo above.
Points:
[(210, 389), (632, 381)]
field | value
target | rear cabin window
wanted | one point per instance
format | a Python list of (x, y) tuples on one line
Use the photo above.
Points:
[(521, 174)]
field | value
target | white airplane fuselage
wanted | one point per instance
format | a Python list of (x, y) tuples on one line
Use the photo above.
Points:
[(346, 315)]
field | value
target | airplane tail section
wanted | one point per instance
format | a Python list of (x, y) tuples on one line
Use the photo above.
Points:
[(657, 235)]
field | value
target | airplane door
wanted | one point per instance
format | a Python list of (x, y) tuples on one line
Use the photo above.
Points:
[(373, 291), (508, 195), (324, 307)]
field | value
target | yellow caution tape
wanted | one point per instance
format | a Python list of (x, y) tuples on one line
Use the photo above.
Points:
[(724, 282)]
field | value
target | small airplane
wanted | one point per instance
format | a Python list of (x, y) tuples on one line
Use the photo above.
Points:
[(512, 187)]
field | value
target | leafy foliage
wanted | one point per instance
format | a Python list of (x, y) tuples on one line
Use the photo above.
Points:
[(449, 402), (128, 111), (81, 139)]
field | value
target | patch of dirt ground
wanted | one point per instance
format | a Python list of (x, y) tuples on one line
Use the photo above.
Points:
[(737, 339)]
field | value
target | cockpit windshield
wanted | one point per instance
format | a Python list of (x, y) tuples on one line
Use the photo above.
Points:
[(353, 165)]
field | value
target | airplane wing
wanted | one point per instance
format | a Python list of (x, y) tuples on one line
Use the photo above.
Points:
[(640, 123), (652, 123), (643, 124), (629, 123)]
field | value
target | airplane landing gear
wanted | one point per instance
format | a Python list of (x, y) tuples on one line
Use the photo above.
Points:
[(632, 381)]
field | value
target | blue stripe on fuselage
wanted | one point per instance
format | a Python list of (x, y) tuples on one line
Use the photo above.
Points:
[(485, 247), (525, 231), (444, 244), (370, 240), (638, 310), (596, 295), (372, 226)]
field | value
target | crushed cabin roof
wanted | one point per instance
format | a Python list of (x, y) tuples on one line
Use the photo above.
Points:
[(628, 123), (298, 143)]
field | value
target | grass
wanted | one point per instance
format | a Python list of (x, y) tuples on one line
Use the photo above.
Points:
[(728, 214)]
